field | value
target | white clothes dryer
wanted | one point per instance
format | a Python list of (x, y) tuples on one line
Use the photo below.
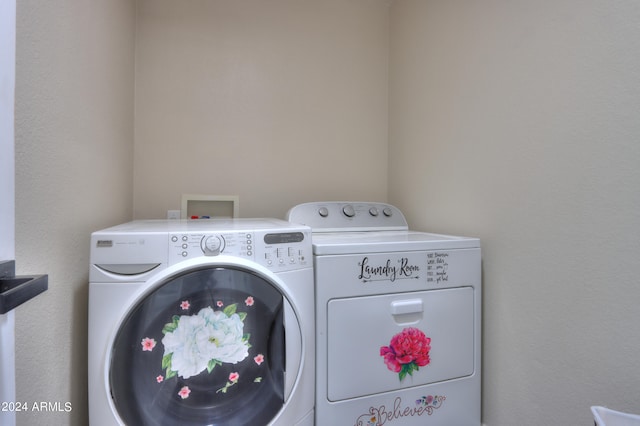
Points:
[(203, 322), (397, 319)]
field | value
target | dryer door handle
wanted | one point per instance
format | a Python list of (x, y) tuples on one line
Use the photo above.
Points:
[(404, 307), (407, 312)]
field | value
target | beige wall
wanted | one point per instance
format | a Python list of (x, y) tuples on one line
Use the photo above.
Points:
[(74, 138), (517, 122), (512, 121), (279, 102)]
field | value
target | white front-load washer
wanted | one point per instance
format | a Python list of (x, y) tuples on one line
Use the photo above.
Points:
[(201, 322), (397, 319)]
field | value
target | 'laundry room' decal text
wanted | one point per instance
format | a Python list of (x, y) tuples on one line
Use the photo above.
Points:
[(387, 271)]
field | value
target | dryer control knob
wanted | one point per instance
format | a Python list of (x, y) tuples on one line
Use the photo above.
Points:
[(387, 212), (323, 211), (212, 245), (349, 211), (373, 211)]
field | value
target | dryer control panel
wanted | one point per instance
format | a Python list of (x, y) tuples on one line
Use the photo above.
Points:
[(343, 216)]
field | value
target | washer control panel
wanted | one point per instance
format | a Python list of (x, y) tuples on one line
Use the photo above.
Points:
[(348, 216), (189, 245), (274, 250)]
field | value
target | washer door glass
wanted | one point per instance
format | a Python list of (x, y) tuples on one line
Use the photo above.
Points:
[(204, 348)]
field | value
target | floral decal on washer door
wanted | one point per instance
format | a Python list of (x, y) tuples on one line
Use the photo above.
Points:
[(199, 342), (407, 352), (193, 343)]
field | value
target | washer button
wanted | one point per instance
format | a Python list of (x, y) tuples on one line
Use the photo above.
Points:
[(323, 211)]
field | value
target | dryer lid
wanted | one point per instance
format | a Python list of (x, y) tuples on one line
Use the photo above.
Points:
[(387, 241)]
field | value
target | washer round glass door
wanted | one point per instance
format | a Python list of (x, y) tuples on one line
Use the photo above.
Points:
[(206, 347)]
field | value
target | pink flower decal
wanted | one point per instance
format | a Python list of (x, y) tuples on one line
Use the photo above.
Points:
[(407, 351), (185, 305), (160, 379), (249, 301), (233, 380), (148, 344), (219, 304), (184, 392), (259, 359)]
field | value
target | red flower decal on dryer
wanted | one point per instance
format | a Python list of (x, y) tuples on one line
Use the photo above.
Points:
[(407, 352)]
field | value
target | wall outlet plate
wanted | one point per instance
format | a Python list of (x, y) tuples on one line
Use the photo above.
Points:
[(210, 206)]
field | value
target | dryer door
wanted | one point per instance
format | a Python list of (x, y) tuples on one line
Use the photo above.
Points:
[(393, 341), (205, 347)]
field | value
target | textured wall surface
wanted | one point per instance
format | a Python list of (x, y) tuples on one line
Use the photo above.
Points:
[(74, 138), (278, 102), (517, 122)]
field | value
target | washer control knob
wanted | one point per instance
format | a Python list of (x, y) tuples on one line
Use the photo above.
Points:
[(373, 211), (349, 211), (212, 245), (387, 212), (323, 211)]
